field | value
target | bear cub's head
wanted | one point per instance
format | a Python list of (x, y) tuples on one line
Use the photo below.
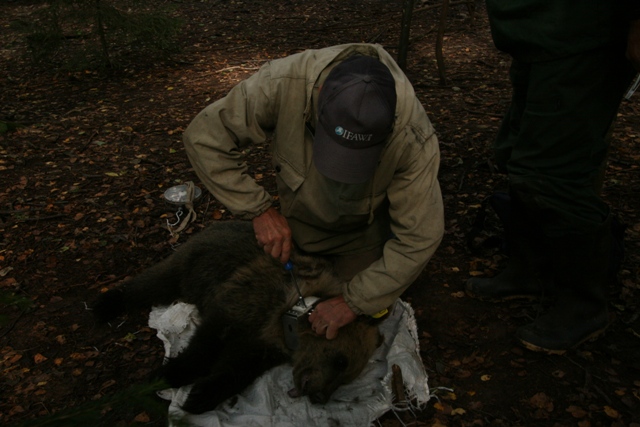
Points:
[(320, 365)]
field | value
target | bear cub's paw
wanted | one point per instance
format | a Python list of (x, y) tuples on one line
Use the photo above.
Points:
[(205, 395)]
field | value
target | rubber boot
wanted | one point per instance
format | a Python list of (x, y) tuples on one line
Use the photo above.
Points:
[(527, 273), (580, 264)]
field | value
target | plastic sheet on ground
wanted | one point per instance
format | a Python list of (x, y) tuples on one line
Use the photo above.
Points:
[(266, 403)]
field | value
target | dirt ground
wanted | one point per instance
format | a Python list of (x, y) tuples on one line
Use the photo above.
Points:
[(81, 209)]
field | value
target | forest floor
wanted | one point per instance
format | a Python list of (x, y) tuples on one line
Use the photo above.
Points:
[(81, 209)]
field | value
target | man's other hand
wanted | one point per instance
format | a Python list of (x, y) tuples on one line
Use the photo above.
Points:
[(331, 315)]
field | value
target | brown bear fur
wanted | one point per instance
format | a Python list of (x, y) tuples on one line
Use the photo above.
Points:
[(241, 294)]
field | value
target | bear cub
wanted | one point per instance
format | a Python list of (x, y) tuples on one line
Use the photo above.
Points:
[(241, 294)]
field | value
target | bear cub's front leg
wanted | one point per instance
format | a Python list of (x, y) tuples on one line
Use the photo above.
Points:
[(239, 363), (199, 356)]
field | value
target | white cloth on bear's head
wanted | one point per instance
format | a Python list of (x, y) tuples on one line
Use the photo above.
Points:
[(266, 402)]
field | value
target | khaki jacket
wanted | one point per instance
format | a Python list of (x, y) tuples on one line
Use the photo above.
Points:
[(400, 207)]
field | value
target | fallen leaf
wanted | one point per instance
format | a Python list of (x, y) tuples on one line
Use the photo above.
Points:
[(612, 413), (586, 355), (107, 384), (476, 406), (463, 373), (576, 411), (13, 358), (23, 182), (444, 408), (16, 410), (485, 377), (449, 396), (8, 282), (142, 418), (38, 358), (541, 401), (458, 411)]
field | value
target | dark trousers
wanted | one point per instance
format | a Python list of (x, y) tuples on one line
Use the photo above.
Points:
[(553, 141)]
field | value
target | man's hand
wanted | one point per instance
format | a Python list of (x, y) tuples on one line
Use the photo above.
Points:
[(633, 44), (273, 234), (331, 315)]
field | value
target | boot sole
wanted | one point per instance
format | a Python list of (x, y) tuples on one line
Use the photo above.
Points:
[(591, 337)]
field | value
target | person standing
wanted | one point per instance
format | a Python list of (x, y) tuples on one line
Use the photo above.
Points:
[(572, 61)]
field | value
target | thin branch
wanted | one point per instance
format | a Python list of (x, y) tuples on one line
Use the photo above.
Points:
[(237, 67), (13, 324)]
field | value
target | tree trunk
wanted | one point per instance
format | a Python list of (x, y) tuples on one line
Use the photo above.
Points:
[(405, 30), (102, 36), (441, 28)]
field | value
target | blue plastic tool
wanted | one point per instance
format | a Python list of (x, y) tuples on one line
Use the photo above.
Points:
[(289, 267)]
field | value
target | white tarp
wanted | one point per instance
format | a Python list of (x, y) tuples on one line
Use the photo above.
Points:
[(266, 403)]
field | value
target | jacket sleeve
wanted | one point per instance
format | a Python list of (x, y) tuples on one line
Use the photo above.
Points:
[(417, 223), (214, 141)]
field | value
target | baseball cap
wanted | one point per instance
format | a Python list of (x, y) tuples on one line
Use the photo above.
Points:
[(356, 109)]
